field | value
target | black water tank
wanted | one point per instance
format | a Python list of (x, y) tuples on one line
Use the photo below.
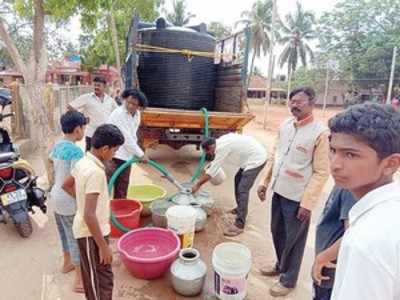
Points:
[(172, 80)]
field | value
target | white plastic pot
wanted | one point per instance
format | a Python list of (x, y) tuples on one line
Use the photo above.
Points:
[(219, 177)]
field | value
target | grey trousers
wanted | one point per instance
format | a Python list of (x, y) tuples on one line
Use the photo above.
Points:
[(289, 236), (244, 181)]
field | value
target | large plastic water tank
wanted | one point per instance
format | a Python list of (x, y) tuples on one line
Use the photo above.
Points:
[(172, 80)]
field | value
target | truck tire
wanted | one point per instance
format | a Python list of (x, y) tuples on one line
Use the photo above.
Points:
[(24, 229)]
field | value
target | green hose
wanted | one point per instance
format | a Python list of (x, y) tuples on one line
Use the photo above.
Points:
[(202, 161), (118, 172), (157, 167)]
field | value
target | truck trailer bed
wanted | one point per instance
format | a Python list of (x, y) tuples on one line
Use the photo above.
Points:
[(178, 127), (174, 118)]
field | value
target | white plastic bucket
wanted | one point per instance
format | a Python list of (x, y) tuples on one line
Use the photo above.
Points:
[(219, 178), (231, 263), (182, 219)]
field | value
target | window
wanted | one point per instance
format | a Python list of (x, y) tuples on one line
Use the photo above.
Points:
[(334, 99)]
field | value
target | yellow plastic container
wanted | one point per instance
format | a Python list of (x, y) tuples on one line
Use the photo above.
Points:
[(182, 219), (146, 194)]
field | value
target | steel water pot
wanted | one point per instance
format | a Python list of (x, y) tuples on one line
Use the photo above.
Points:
[(188, 273)]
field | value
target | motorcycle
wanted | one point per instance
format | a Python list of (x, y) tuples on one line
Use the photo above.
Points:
[(18, 188)]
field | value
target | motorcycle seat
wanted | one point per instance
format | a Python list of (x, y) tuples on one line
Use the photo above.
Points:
[(7, 156)]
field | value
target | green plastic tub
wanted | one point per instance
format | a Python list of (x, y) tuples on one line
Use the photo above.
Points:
[(146, 194)]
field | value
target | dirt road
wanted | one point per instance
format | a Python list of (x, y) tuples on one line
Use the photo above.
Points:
[(30, 268)]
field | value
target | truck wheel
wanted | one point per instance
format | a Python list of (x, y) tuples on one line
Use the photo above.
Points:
[(24, 229)]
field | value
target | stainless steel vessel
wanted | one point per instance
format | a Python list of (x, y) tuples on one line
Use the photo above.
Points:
[(188, 273)]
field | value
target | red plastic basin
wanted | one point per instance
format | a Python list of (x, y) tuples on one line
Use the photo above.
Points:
[(148, 253), (127, 213)]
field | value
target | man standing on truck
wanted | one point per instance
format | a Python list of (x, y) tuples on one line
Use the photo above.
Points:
[(296, 176), (249, 155), (97, 106)]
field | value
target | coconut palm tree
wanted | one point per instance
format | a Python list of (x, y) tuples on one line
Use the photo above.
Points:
[(296, 32), (179, 16), (259, 19)]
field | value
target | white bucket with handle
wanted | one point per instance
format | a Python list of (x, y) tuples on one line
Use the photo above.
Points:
[(219, 178), (231, 263)]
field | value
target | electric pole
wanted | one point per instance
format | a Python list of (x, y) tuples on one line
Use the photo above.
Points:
[(389, 94), (326, 87), (270, 63)]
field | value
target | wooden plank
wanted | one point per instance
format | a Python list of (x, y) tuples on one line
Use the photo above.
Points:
[(222, 75), (169, 111), (233, 70), (235, 66), (166, 118), (229, 78), (228, 99), (228, 72), (229, 84)]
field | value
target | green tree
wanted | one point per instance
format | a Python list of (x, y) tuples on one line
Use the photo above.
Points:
[(179, 15), (259, 19), (296, 32), (96, 50), (39, 14), (219, 30), (360, 36), (22, 42), (106, 22)]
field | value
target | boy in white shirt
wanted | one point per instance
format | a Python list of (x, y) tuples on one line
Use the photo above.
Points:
[(365, 153)]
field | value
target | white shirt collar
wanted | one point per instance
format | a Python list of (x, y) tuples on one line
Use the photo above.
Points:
[(105, 96), (378, 196), (128, 113)]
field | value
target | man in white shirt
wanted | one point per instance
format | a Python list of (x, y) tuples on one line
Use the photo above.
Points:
[(127, 118), (246, 153), (365, 153), (96, 106)]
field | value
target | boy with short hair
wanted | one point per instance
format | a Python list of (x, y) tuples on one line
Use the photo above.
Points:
[(365, 153), (330, 229), (88, 184), (63, 157)]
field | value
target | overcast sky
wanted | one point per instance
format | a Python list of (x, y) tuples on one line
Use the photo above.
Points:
[(228, 12)]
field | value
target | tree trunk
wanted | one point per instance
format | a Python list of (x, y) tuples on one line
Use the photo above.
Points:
[(41, 135), (289, 87), (34, 74), (251, 70), (114, 37)]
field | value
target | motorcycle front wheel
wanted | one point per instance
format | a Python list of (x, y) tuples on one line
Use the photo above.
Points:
[(24, 229)]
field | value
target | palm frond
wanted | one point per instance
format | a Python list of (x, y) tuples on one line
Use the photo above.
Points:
[(284, 57), (302, 52), (297, 29), (294, 58), (259, 19), (309, 51)]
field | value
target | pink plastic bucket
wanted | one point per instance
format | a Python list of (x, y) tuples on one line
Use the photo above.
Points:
[(148, 253)]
